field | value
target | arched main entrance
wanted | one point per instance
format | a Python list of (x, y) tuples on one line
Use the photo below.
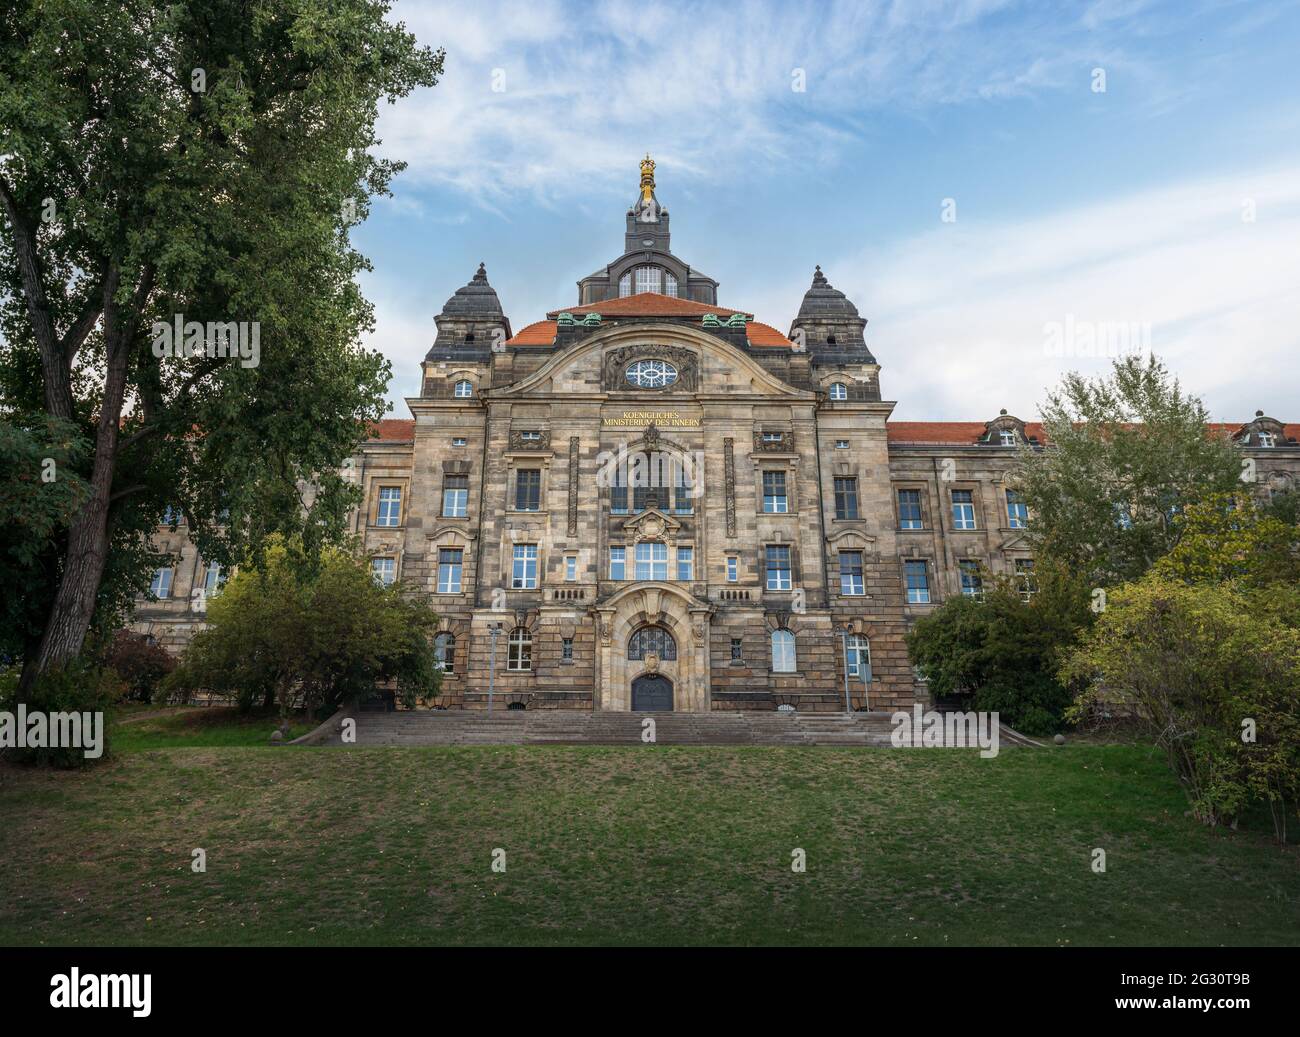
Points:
[(652, 693)]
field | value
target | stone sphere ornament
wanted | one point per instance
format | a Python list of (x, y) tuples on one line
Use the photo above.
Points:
[(1059, 739)]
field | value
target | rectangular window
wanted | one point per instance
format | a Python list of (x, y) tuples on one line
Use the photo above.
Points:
[(647, 279), (523, 576), (566, 649), (1017, 510), (846, 498), (528, 489), (733, 569), (737, 650), (570, 568), (683, 502), (384, 570), (450, 565), (652, 561), (774, 498), (455, 496), (778, 567), (857, 657), (841, 444), (161, 584), (530, 436), (851, 581), (171, 516), (1025, 580), (618, 496), (390, 506), (909, 509), (773, 437), (618, 563), (459, 441), (686, 563), (972, 583), (918, 582), (963, 509), (212, 579)]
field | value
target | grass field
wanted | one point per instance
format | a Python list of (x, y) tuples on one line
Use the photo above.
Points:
[(637, 845)]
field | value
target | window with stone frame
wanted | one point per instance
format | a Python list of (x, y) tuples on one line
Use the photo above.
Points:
[(444, 652), (779, 575), (775, 499), (1026, 581), (450, 570), (972, 580), (388, 506), (519, 650), (1017, 510), (910, 515), (916, 572), (784, 656), (523, 573), (455, 496), (528, 489), (851, 574), (963, 509), (846, 497), (651, 558)]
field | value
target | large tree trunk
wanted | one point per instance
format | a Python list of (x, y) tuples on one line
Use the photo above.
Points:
[(87, 551)]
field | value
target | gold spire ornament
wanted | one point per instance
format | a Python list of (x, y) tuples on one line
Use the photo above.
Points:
[(647, 179)]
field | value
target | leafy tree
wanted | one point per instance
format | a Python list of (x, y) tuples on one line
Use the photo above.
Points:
[(1126, 455), (1002, 651), (1216, 682), (202, 159), (288, 631), (140, 663)]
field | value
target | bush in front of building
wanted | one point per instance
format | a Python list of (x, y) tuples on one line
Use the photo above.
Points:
[(1001, 652), (309, 635), (140, 663), (84, 687)]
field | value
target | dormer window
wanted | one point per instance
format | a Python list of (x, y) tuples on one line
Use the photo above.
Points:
[(1007, 437), (1266, 439), (839, 391), (464, 389)]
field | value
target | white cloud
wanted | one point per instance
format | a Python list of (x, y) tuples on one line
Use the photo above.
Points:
[(958, 312)]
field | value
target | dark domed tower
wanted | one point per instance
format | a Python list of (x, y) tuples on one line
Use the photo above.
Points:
[(470, 323), (828, 325)]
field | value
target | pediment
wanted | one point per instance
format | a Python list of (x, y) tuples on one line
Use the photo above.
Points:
[(652, 524)]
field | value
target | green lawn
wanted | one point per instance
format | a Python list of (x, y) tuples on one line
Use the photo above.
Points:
[(196, 726), (629, 845)]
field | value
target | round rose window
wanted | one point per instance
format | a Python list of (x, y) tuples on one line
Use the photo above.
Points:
[(651, 374)]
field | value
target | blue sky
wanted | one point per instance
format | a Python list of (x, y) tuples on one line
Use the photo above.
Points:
[(1169, 202)]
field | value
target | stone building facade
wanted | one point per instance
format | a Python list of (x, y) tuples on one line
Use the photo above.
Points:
[(649, 501)]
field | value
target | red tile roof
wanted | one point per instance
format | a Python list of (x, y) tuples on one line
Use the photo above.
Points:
[(393, 430), (648, 304), (542, 333)]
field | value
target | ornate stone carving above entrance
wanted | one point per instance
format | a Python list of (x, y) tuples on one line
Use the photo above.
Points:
[(617, 360)]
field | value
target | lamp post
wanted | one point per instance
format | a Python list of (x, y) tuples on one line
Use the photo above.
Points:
[(492, 664), (844, 645)]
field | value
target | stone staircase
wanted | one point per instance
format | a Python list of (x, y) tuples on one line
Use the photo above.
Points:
[(573, 727)]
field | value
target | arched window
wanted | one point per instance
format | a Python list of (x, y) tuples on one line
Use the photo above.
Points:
[(783, 654), (649, 279), (857, 657), (444, 651), (625, 285), (519, 655), (652, 639), (670, 284), (464, 388), (839, 391)]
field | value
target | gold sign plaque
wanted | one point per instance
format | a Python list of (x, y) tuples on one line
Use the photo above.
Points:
[(660, 418)]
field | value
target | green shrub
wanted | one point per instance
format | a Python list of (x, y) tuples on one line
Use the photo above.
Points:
[(79, 687)]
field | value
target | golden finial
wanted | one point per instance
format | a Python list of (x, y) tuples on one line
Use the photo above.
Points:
[(647, 178)]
